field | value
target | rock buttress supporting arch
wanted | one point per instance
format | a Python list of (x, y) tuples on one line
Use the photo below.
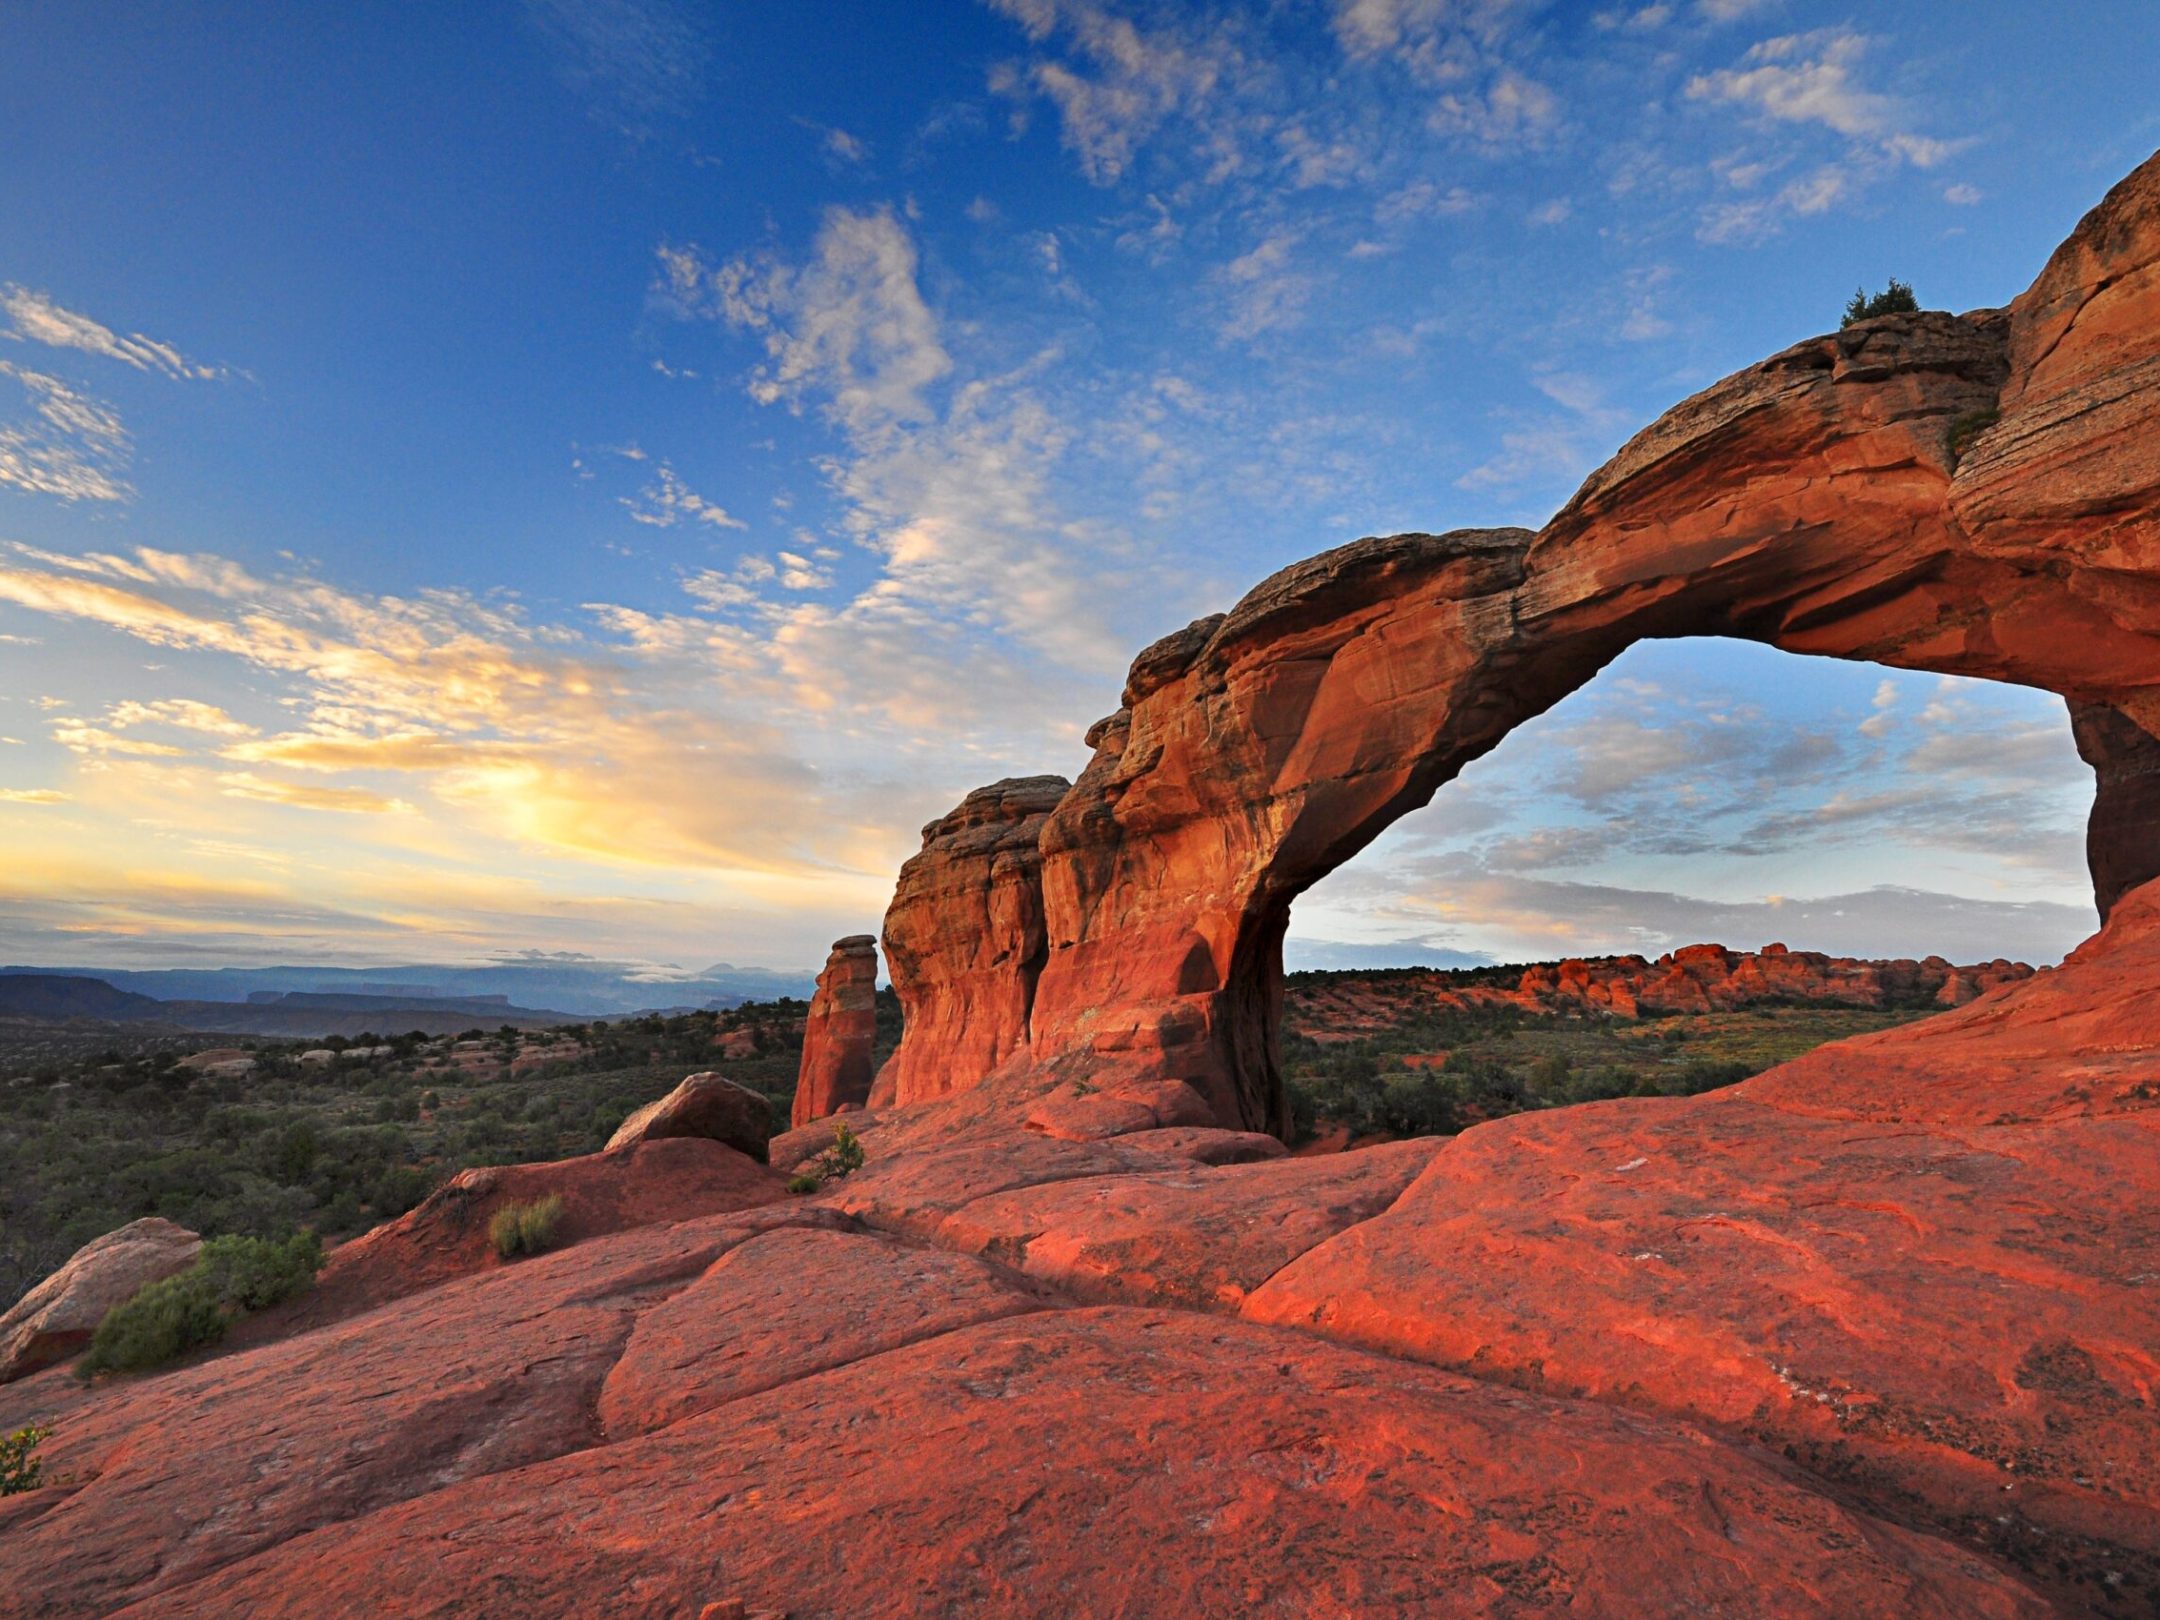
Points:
[(1976, 494)]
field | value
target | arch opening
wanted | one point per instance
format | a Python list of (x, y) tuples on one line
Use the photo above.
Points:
[(1694, 792)]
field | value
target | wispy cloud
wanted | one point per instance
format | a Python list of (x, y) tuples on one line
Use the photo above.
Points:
[(33, 317), (636, 63), (310, 796), (1807, 81), (70, 445), (667, 501)]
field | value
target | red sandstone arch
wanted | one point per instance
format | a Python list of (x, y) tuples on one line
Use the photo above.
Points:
[(1975, 494)]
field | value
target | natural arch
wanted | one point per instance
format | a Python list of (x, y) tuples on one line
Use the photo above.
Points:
[(1977, 495)]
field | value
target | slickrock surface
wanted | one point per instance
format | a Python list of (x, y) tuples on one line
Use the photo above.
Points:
[(56, 1319), (783, 1306), (1126, 1462), (175, 1476), (964, 940), (1200, 1237), (708, 1105), (839, 1033), (1922, 1262), (670, 1179)]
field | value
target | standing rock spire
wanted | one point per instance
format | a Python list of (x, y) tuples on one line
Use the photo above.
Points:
[(840, 1032)]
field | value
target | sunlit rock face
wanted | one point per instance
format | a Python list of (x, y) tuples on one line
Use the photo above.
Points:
[(839, 1033), (1968, 494), (964, 940)]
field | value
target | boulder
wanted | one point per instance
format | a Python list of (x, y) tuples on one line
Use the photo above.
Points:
[(56, 1319), (708, 1105), (838, 1035)]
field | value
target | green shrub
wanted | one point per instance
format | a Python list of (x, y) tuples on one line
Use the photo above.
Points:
[(231, 1277), (1895, 299), (843, 1158), (21, 1469), (517, 1229)]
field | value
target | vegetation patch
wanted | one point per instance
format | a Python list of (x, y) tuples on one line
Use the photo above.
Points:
[(231, 1277), (106, 1128), (520, 1229), (21, 1469), (843, 1158), (1412, 1068), (1895, 299)]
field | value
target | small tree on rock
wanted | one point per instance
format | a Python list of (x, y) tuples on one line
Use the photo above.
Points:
[(1895, 299)]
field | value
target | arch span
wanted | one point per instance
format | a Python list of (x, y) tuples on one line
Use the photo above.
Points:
[(1975, 494)]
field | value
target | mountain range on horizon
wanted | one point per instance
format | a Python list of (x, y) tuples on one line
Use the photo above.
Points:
[(581, 988)]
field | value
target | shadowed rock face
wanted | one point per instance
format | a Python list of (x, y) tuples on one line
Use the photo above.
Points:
[(1975, 494), (839, 1033), (2122, 840)]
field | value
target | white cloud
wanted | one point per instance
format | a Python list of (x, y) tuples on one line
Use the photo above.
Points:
[(1264, 291), (33, 317), (1123, 83), (1512, 110), (850, 326), (71, 445), (667, 501), (1802, 78), (1810, 79), (1962, 195)]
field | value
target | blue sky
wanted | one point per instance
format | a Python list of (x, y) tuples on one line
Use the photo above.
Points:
[(598, 474)]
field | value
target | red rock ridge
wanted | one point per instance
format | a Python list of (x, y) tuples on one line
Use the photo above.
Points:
[(1693, 979)]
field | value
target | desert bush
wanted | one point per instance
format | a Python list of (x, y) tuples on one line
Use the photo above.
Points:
[(843, 1158), (517, 1229), (1895, 299), (231, 1277), (21, 1469)]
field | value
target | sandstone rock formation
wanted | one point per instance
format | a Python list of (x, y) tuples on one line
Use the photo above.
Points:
[(1693, 979), (1974, 494), (708, 1105), (56, 1319), (2122, 840), (964, 940), (842, 1028)]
